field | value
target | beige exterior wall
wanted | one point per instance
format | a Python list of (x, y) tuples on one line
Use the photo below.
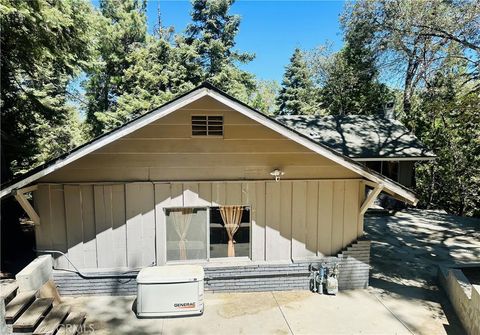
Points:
[(106, 210), (122, 225), (165, 151)]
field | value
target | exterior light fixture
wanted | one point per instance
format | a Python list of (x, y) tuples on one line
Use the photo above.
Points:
[(277, 174)]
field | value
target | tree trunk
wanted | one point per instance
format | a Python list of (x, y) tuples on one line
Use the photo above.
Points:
[(408, 89)]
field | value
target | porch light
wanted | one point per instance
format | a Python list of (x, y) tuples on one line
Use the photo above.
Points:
[(277, 174)]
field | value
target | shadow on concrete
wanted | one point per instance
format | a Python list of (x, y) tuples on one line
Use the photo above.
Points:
[(407, 249)]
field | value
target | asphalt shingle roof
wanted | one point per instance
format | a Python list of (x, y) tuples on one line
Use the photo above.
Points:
[(359, 136)]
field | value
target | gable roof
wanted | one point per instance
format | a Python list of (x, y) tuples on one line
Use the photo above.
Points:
[(360, 137), (203, 90)]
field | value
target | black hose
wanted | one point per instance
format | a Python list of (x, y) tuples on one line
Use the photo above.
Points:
[(84, 276)]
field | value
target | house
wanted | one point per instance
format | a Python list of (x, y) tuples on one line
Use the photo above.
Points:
[(203, 179), (382, 144)]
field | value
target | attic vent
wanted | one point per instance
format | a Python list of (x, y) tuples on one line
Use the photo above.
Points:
[(207, 125)]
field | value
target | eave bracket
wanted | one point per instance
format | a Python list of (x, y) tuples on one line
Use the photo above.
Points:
[(23, 201), (377, 188)]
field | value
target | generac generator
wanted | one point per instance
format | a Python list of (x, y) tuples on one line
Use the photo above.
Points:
[(170, 291)]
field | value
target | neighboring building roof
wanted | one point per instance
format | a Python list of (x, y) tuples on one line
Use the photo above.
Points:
[(203, 90), (360, 137)]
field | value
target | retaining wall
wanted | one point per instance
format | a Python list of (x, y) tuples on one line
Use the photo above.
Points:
[(465, 298)]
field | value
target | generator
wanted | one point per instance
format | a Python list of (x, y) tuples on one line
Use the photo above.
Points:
[(171, 290)]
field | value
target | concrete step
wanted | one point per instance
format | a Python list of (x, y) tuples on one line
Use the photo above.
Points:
[(33, 315), (52, 321), (8, 290), (18, 304), (72, 324)]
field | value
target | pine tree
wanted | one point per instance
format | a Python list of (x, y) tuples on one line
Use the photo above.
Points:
[(123, 28), (44, 46), (297, 94), (212, 33), (352, 85)]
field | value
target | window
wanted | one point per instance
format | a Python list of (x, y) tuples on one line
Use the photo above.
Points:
[(207, 232), (222, 242), (186, 233), (207, 125), (388, 168)]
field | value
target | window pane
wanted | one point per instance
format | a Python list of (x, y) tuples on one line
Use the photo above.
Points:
[(219, 236), (186, 233)]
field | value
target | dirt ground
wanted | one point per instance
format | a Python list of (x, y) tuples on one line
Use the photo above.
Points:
[(406, 251), (403, 297)]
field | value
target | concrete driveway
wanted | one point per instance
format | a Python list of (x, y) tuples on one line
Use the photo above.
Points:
[(293, 312), (406, 251)]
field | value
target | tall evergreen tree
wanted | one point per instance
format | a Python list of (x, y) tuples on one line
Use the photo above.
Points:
[(159, 71), (297, 94), (123, 28), (212, 33), (44, 45), (351, 83)]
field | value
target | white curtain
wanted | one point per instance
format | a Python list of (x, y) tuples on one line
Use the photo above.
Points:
[(182, 218), (232, 217)]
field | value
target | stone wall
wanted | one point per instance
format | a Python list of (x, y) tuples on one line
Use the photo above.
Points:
[(464, 297), (353, 264)]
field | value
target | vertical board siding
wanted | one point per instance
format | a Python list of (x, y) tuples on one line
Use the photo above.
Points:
[(74, 221), (325, 218), (312, 218), (233, 193), (103, 225), (258, 223), (350, 216), (249, 199), (205, 194), (123, 225), (218, 194), (337, 212), (190, 194), (285, 236), (59, 228), (119, 228), (299, 220), (43, 235), (88, 222), (273, 239), (140, 224), (162, 201), (361, 199)]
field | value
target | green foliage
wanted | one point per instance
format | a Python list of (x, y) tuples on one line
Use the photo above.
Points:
[(432, 48), (447, 120), (145, 73), (264, 98), (351, 84), (122, 28), (44, 46), (212, 34), (297, 94), (160, 71)]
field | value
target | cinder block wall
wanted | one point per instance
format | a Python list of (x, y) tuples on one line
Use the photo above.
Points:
[(354, 265)]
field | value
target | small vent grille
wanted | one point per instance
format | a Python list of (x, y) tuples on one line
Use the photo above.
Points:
[(207, 125)]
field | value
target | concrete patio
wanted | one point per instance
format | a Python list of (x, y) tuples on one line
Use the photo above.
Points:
[(403, 297), (293, 312)]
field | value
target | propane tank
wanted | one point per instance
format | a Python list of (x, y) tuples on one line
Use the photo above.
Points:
[(332, 280), (321, 278)]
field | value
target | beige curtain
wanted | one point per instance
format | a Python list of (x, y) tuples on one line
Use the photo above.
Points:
[(231, 216), (181, 221)]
